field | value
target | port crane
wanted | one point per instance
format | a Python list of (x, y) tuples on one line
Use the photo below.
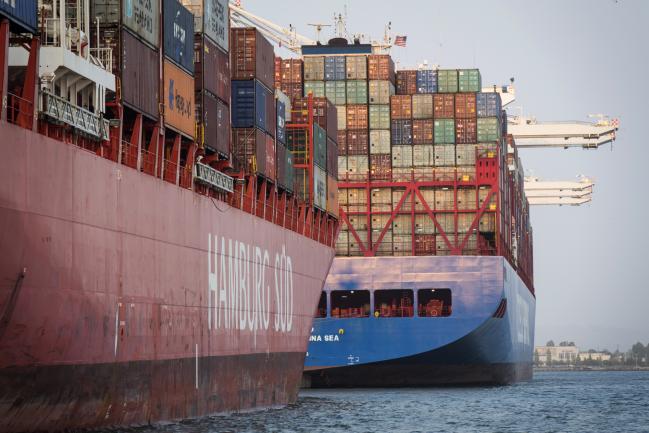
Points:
[(527, 131)]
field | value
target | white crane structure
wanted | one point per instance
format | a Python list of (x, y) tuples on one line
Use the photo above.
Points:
[(573, 193)]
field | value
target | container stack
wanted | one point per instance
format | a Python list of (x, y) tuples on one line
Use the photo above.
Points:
[(288, 77), (211, 43)]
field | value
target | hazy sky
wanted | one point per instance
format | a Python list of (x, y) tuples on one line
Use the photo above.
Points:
[(569, 59)]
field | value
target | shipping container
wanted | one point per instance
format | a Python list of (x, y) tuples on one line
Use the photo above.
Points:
[(342, 166), (443, 106), (357, 92), (466, 131), (422, 131), (444, 131), (316, 88), (212, 18), (465, 105), (325, 114), (465, 154), (335, 91), (488, 129), (380, 117), (342, 243), (465, 173), (214, 118), (380, 91), (401, 132), (400, 107), (422, 106), (21, 13), (278, 72), (469, 80), (423, 155), (334, 68), (142, 17), (179, 109), (357, 117), (285, 169), (319, 188), (466, 199), (380, 67), (447, 81), (445, 200), (357, 142), (211, 68), (314, 68), (332, 196), (444, 155), (342, 142), (358, 168), (293, 90), (341, 114), (254, 152), (356, 67), (286, 100), (379, 141), (488, 104), (402, 156), (178, 31), (140, 82), (253, 104), (406, 82), (252, 56), (380, 167), (291, 71), (319, 146), (280, 131), (332, 157), (427, 81)]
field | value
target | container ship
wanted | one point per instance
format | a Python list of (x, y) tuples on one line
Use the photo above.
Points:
[(433, 281), (162, 254)]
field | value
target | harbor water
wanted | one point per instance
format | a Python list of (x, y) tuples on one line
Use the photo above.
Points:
[(565, 402)]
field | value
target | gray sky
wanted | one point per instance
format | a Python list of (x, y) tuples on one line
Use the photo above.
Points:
[(569, 59)]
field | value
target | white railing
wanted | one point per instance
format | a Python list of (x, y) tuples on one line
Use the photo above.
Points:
[(79, 118), (102, 57)]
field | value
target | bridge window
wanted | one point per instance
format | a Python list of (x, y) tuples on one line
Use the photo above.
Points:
[(322, 306), (434, 302), (350, 303), (393, 303)]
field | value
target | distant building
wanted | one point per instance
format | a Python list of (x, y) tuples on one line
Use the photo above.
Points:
[(594, 356), (545, 355)]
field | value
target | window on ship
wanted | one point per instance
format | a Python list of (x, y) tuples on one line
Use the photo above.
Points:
[(434, 302), (321, 311), (350, 303), (393, 303)]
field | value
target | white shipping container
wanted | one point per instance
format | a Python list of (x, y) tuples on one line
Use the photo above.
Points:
[(342, 166), (317, 88), (464, 221), (429, 196), (401, 245), (465, 154), (423, 155), (422, 106), (488, 222), (379, 141), (379, 222), (143, 18), (341, 111), (396, 197), (444, 155), (444, 199), (380, 91), (401, 156), (342, 243), (424, 225), (356, 67), (319, 188), (466, 198), (313, 68), (357, 165), (402, 225), (283, 97), (447, 223), (379, 116), (211, 17)]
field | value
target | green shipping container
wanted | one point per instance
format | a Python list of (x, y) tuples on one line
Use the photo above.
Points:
[(319, 146), (444, 131), (357, 92), (469, 80), (336, 92), (447, 81), (315, 87), (488, 129), (379, 117)]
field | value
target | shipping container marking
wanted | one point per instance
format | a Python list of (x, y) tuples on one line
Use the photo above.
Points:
[(178, 102)]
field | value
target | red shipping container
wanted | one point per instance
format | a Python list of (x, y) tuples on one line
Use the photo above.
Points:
[(400, 107), (422, 131), (140, 76), (465, 105), (292, 71), (324, 114), (443, 106), (380, 167), (357, 141), (254, 152), (466, 131), (292, 90), (278, 73), (332, 158), (252, 56), (357, 117), (342, 142), (424, 244), (380, 67), (406, 82), (212, 68)]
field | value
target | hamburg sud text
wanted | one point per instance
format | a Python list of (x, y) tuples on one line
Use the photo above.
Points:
[(239, 286)]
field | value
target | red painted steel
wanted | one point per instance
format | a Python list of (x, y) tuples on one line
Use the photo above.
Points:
[(4, 65), (252, 56)]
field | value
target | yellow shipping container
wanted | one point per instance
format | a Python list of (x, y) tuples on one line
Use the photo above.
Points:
[(178, 99)]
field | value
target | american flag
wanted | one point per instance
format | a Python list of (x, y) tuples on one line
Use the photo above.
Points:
[(400, 41)]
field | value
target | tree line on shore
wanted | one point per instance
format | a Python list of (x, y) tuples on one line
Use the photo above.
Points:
[(636, 356)]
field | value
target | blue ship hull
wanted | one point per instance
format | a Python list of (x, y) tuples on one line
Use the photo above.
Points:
[(488, 338)]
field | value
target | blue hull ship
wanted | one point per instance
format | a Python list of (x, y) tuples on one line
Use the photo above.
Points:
[(421, 321)]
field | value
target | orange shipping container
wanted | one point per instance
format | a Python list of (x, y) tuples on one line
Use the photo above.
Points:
[(178, 99)]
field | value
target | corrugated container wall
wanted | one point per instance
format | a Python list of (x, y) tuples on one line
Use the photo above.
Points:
[(332, 157), (334, 68), (254, 152), (319, 146), (212, 18), (23, 13), (214, 116), (406, 82), (315, 88), (356, 68), (179, 110), (380, 67), (332, 196), (447, 81), (252, 56), (143, 18), (140, 72), (426, 81), (335, 91), (469, 80), (280, 133), (253, 104), (380, 91), (314, 68), (212, 68), (285, 170), (178, 31), (488, 104), (319, 188)]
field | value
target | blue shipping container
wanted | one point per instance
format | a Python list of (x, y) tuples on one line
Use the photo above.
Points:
[(179, 35), (249, 102), (401, 132), (281, 120), (427, 81), (22, 14), (335, 68), (488, 104)]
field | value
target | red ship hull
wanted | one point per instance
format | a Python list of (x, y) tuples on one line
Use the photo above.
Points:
[(125, 299)]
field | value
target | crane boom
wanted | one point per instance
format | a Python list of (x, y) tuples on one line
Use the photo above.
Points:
[(575, 193)]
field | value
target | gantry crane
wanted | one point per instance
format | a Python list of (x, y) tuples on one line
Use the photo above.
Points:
[(573, 193)]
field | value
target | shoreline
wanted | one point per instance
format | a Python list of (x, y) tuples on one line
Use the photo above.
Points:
[(590, 368)]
